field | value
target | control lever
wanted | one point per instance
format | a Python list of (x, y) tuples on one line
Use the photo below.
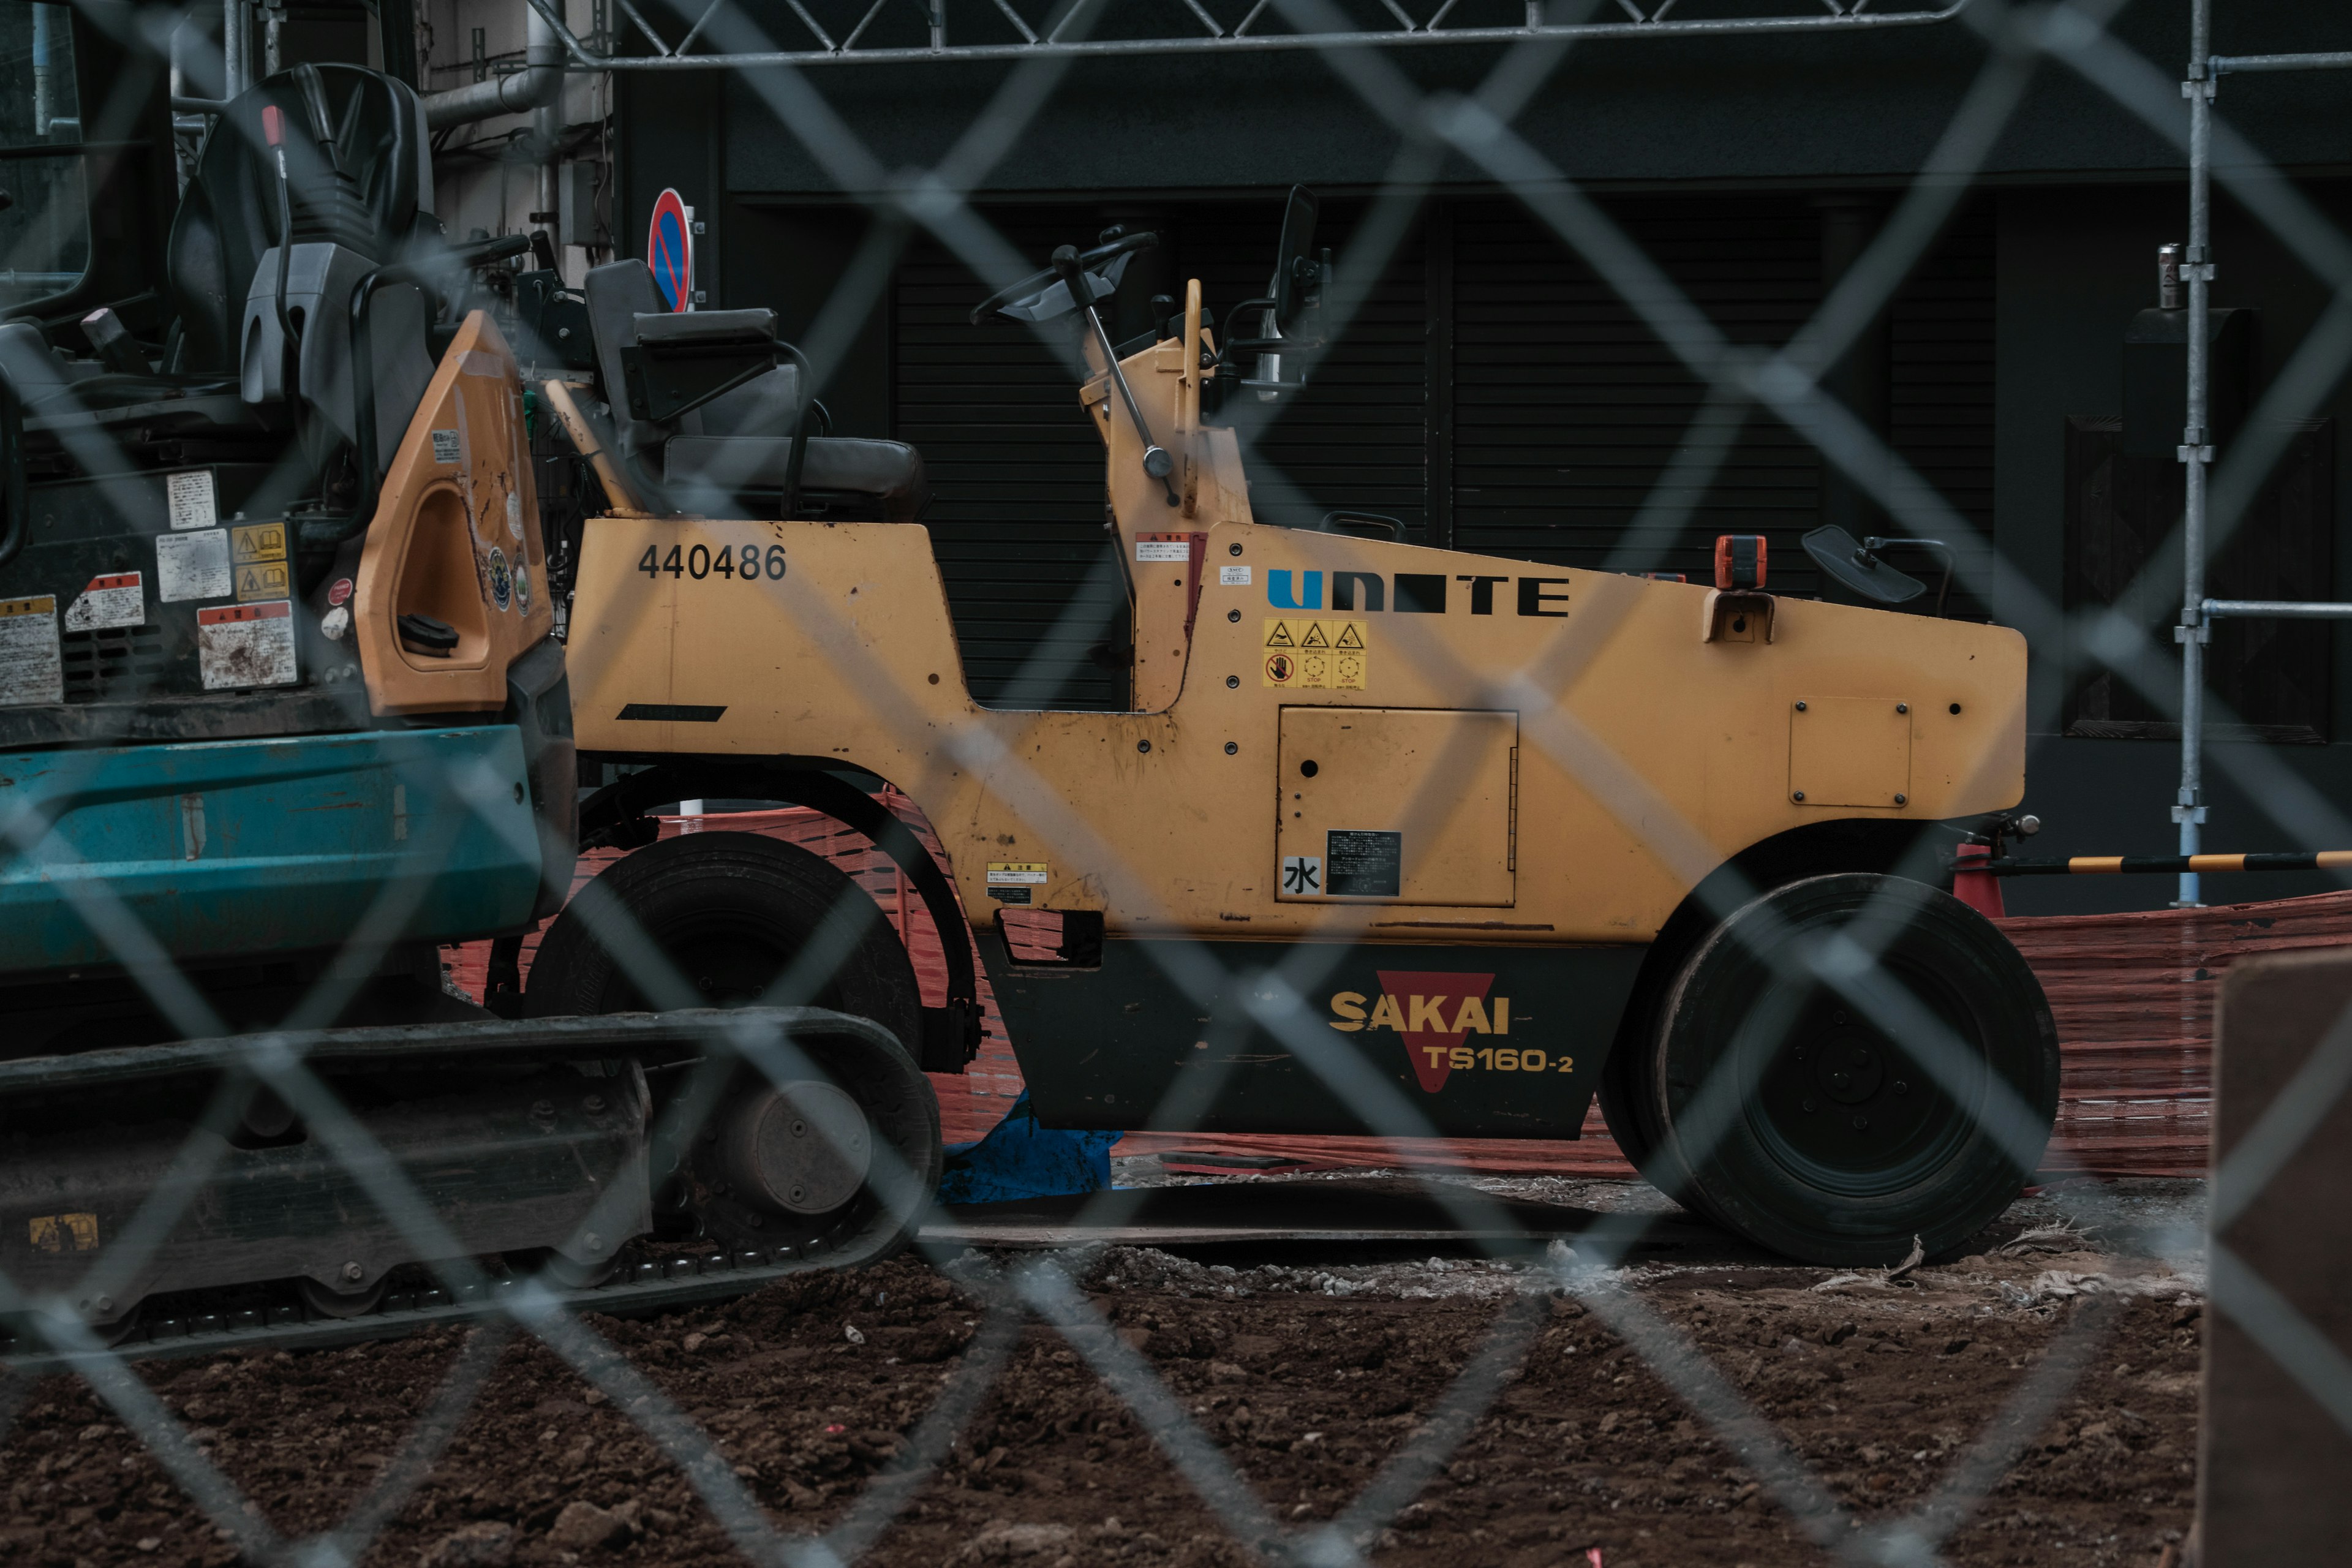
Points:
[(273, 130), (1157, 463), (112, 343)]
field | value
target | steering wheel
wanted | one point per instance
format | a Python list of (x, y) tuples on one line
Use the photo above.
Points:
[(1042, 295)]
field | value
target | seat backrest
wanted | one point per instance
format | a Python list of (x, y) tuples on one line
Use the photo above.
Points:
[(358, 169), (618, 293)]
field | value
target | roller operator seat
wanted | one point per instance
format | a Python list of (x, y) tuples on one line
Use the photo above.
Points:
[(729, 456)]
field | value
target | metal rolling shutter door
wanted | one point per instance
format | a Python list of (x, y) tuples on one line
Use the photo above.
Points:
[(1017, 473), (1568, 408), (1940, 386)]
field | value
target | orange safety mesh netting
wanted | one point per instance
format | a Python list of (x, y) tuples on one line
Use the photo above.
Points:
[(2132, 994)]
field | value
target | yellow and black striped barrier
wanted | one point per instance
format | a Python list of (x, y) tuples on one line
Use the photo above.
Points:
[(2166, 864)]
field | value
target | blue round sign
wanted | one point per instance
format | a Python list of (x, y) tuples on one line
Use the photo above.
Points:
[(669, 251)]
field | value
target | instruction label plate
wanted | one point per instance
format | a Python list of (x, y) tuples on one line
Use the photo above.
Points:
[(32, 667), (191, 500), (192, 567), (1364, 864)]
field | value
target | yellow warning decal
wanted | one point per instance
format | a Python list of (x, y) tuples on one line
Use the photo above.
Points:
[(1016, 873), (257, 542), (268, 580), (46, 604), (65, 1233), (1309, 655)]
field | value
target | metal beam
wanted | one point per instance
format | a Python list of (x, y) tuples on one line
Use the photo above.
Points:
[(2220, 65), (1235, 41), (2277, 609)]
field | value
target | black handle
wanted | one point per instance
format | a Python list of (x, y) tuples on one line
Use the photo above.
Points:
[(1036, 281), (364, 386), (798, 455), (1073, 274), (474, 254)]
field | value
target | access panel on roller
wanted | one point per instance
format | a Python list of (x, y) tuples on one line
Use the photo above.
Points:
[(1398, 805)]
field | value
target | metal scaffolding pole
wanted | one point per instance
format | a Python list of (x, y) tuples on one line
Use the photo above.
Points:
[(2197, 612), (2196, 447)]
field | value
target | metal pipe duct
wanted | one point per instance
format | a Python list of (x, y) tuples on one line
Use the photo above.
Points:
[(533, 87)]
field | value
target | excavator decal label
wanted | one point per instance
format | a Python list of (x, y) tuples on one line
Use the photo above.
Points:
[(245, 645), (1316, 654), (259, 549), (257, 541), (32, 664), (190, 498), (64, 1233), (192, 567), (117, 599)]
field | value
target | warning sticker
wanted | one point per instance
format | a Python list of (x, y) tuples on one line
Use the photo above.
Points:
[(192, 567), (63, 1232), (445, 447), (1173, 548), (269, 580), (1314, 655), (32, 669), (1015, 881), (1233, 576), (193, 502), (257, 542), (245, 645), (117, 599)]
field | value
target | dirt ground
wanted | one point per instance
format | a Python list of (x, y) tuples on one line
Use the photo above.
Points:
[(1309, 1378)]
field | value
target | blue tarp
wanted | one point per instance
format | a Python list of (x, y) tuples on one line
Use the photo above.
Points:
[(1019, 1159)]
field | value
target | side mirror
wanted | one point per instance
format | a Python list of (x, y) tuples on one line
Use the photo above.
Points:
[(1298, 281), (1844, 560)]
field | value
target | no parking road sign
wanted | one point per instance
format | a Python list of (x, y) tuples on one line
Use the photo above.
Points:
[(669, 250)]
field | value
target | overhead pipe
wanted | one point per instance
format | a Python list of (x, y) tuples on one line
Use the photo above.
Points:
[(536, 86)]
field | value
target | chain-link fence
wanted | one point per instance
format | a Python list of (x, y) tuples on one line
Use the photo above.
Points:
[(236, 1084)]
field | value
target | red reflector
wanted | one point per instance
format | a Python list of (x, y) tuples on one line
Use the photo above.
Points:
[(1739, 560), (273, 124)]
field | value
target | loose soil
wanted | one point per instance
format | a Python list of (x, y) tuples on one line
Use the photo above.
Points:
[(1310, 1379)]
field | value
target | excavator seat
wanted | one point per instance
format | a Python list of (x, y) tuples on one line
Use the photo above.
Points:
[(729, 456), (358, 193)]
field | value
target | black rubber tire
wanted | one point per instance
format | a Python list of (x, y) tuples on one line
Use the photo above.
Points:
[(731, 911), (1842, 1147), (1623, 1090)]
